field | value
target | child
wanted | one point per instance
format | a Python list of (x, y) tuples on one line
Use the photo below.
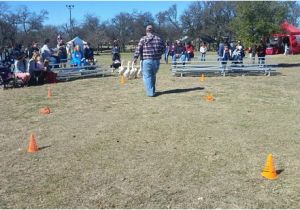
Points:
[(50, 75), (77, 57), (203, 50)]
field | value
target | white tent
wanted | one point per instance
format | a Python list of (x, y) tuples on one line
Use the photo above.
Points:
[(74, 42)]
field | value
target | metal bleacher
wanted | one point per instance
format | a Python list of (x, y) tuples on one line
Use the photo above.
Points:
[(215, 67), (75, 72)]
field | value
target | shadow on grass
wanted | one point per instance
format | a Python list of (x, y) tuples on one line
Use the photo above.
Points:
[(279, 171), (286, 65), (178, 91), (44, 147)]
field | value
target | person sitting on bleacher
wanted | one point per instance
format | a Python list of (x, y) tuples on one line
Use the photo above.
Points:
[(21, 68), (77, 57), (179, 53), (189, 51), (36, 70), (50, 76), (237, 55), (62, 54), (32, 69), (48, 53), (89, 54), (226, 55)]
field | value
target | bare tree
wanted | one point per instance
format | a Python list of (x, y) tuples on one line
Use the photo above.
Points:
[(28, 20), (169, 25), (210, 20), (122, 27)]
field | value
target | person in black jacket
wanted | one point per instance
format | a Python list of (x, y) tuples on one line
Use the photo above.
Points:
[(261, 52), (88, 54), (62, 54)]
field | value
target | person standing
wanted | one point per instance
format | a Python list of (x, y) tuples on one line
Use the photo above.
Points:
[(150, 49), (253, 53), (261, 52), (220, 50), (116, 52), (167, 52), (203, 50)]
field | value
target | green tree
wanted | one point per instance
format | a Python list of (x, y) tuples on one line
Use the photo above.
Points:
[(259, 19)]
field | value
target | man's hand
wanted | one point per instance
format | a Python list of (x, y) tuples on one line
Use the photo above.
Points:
[(134, 61)]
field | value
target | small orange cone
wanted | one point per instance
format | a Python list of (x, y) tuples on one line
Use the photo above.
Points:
[(202, 78), (45, 110), (123, 81), (269, 171), (32, 144), (49, 92), (210, 97)]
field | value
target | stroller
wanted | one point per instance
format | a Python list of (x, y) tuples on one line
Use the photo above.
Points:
[(7, 77), (116, 58)]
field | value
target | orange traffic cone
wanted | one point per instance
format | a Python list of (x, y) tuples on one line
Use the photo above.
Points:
[(210, 97), (202, 78), (269, 171), (32, 144), (45, 110), (49, 92), (123, 81)]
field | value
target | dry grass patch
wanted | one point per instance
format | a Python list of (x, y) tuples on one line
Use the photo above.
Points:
[(109, 146)]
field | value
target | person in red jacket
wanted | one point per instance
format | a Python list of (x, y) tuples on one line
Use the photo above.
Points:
[(189, 50)]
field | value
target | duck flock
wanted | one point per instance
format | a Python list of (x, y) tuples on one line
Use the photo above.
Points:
[(131, 71)]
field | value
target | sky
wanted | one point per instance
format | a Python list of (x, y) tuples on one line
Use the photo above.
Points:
[(105, 10)]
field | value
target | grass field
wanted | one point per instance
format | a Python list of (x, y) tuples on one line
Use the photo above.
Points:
[(107, 145)]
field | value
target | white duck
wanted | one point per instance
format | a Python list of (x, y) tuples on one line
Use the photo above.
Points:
[(127, 71), (122, 68), (140, 72), (133, 71)]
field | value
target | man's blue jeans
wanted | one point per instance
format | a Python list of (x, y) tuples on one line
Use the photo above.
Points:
[(150, 68)]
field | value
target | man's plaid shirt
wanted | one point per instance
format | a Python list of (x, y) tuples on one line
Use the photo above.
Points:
[(150, 47)]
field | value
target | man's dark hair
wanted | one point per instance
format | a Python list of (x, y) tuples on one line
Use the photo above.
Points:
[(46, 41), (149, 28)]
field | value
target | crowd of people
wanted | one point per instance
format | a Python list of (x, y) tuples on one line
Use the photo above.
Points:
[(32, 65), (183, 51), (236, 53)]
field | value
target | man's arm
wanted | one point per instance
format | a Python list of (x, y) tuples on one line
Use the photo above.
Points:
[(138, 51)]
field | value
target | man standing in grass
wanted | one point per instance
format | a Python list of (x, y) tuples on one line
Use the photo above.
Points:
[(150, 49)]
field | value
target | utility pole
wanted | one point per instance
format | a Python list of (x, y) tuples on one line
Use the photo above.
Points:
[(70, 7)]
